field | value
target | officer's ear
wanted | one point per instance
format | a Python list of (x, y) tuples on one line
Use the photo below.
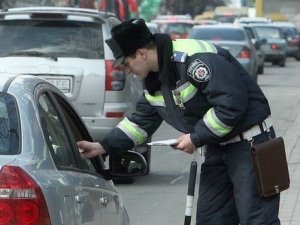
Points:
[(141, 52)]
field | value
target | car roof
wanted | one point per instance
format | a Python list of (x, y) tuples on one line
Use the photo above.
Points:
[(219, 26), (63, 11), (173, 20), (7, 78)]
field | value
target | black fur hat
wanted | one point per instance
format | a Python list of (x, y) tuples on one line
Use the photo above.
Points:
[(127, 37)]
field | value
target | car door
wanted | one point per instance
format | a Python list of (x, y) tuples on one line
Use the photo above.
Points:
[(94, 199)]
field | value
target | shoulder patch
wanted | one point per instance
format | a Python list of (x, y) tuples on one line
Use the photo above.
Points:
[(199, 71), (179, 56)]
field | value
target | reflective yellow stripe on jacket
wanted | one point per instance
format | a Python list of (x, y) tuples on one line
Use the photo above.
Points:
[(214, 124), (156, 100), (186, 91), (191, 46), (133, 131)]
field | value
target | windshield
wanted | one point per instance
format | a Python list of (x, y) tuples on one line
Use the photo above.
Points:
[(9, 126), (56, 38), (220, 34)]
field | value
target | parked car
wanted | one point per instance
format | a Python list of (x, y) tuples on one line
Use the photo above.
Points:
[(44, 180), (234, 39), (290, 33), (257, 42), (67, 47), (177, 26), (274, 45)]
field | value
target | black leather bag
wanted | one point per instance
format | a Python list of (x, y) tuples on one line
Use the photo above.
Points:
[(270, 165)]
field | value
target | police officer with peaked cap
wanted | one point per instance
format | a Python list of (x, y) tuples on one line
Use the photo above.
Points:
[(202, 91)]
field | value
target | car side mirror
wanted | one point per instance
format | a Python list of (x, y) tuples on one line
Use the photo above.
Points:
[(128, 164), (256, 43), (263, 41)]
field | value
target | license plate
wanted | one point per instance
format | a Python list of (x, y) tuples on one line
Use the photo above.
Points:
[(63, 84)]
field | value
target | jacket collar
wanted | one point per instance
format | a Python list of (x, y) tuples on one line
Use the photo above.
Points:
[(166, 72)]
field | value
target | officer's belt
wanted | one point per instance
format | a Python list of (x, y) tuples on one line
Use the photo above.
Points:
[(252, 132)]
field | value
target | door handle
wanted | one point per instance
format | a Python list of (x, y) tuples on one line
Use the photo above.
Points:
[(81, 198), (104, 201)]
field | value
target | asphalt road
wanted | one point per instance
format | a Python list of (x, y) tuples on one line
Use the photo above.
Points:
[(160, 197)]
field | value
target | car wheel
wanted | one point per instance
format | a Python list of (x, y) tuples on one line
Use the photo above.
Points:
[(261, 69), (281, 62), (297, 56)]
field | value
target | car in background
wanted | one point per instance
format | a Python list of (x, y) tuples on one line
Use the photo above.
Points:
[(67, 47), (247, 20), (205, 22), (257, 42), (152, 27), (44, 180), (274, 45), (290, 33), (176, 26), (234, 39)]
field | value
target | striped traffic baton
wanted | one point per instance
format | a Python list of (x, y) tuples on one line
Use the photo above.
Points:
[(190, 193)]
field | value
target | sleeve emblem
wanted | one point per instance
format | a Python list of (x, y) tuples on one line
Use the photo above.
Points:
[(199, 71)]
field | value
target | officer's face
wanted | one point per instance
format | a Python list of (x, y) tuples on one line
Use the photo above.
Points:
[(136, 64)]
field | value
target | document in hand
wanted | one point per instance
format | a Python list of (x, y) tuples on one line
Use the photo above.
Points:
[(168, 142)]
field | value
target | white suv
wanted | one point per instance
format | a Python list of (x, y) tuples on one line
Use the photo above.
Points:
[(67, 47)]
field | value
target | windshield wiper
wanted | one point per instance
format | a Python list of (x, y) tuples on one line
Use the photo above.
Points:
[(34, 53)]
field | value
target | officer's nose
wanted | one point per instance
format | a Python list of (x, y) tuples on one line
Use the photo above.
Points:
[(127, 70)]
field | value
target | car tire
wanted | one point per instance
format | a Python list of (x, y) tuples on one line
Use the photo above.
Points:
[(261, 69), (281, 62), (297, 56)]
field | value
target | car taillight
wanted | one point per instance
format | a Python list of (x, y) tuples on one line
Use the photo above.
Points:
[(21, 199), (275, 46), (114, 114), (115, 77), (244, 54)]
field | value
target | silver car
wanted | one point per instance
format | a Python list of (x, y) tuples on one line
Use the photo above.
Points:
[(234, 39), (67, 47), (43, 179), (274, 45)]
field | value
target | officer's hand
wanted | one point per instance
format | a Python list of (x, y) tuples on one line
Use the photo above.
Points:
[(90, 149), (185, 144)]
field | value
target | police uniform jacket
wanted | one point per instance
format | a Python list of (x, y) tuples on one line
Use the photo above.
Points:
[(200, 89)]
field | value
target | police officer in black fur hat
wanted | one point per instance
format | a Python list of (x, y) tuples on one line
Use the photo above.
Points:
[(202, 91)]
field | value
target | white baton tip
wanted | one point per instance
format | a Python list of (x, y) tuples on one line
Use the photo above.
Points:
[(189, 205)]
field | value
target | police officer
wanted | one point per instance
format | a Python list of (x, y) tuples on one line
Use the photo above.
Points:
[(201, 90)]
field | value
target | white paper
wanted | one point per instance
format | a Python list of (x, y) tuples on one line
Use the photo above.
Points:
[(164, 142)]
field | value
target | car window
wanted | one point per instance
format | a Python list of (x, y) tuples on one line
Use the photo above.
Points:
[(9, 126), (55, 133), (58, 38), (178, 28), (268, 32), (250, 33), (289, 31), (218, 34), (77, 132)]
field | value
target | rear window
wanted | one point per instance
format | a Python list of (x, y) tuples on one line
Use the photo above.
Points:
[(9, 126), (57, 38), (176, 28), (219, 34), (268, 32)]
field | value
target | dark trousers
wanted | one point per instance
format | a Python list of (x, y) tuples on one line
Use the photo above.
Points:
[(228, 193)]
